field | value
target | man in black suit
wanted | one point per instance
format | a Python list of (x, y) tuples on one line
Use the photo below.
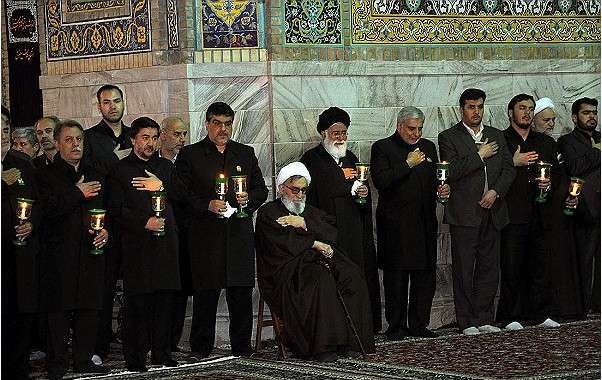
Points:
[(221, 245), (480, 173), (105, 144), (403, 171), (580, 150), (518, 236)]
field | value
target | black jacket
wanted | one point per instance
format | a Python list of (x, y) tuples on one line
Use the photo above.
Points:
[(406, 221), (150, 263), (221, 250), (72, 278)]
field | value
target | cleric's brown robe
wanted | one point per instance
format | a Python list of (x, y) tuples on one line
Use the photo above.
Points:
[(302, 291)]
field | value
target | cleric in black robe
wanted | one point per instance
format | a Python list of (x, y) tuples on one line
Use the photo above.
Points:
[(403, 171), (334, 189), (554, 289), (20, 274), (151, 274), (300, 269), (72, 279)]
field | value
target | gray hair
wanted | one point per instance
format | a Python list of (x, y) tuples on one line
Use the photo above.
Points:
[(168, 121), (28, 133), (409, 112)]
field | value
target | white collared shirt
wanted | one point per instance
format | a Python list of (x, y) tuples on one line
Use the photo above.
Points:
[(478, 137)]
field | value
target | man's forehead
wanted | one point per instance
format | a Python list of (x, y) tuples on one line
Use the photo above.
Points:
[(588, 108), (71, 132), (337, 127), (110, 95), (299, 182), (45, 123)]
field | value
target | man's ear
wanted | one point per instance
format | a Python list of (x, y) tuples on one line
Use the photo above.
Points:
[(574, 118)]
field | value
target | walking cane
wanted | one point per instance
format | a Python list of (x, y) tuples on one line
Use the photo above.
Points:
[(347, 315)]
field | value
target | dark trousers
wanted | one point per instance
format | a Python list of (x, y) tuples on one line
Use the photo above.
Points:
[(16, 341), (587, 237), (84, 323), (514, 266), (414, 313), (240, 309), (147, 326), (180, 301), (105, 315), (475, 270)]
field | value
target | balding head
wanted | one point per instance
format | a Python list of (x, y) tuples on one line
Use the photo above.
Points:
[(174, 133)]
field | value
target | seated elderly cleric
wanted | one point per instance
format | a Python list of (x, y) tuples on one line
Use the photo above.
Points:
[(305, 279)]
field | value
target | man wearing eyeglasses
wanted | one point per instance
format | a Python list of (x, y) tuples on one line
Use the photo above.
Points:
[(220, 245), (335, 189), (301, 270)]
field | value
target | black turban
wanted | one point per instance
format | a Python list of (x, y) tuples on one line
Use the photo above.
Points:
[(331, 116)]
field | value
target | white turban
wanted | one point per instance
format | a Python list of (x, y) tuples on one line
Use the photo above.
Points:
[(542, 104), (294, 168)]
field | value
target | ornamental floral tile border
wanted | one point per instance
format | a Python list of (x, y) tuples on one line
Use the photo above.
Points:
[(226, 24), (315, 22), (98, 37), (474, 21)]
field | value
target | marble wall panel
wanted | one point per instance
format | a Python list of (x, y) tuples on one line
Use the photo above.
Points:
[(252, 126), (498, 88), (146, 97), (365, 149), (263, 152), (240, 93), (76, 102), (564, 122), (300, 125), (177, 103), (343, 92), (444, 281), (287, 93), (285, 153), (558, 87)]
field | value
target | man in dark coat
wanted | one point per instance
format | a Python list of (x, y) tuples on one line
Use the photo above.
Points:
[(173, 137), (220, 244), (20, 274), (334, 190), (301, 273), (72, 278), (44, 132), (150, 263), (518, 236), (105, 144), (480, 173), (580, 150), (403, 171)]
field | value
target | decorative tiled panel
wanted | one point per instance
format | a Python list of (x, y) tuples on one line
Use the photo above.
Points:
[(312, 22), (474, 21), (228, 24), (96, 34)]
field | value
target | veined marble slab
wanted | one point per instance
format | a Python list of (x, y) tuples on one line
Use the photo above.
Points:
[(558, 87), (252, 126), (300, 125), (379, 68), (240, 93), (227, 70)]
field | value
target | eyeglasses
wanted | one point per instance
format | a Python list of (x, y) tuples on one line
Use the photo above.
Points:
[(218, 123), (296, 190)]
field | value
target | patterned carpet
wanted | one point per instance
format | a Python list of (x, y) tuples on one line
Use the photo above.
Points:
[(571, 351)]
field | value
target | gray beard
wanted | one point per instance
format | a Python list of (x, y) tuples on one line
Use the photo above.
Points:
[(335, 151), (295, 208)]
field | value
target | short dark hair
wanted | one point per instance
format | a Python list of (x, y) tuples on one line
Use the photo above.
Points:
[(472, 94), (5, 112), (68, 123), (519, 98), (143, 122), (108, 87), (218, 108), (576, 107)]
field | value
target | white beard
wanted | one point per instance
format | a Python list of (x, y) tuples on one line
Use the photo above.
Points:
[(294, 207), (337, 151)]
